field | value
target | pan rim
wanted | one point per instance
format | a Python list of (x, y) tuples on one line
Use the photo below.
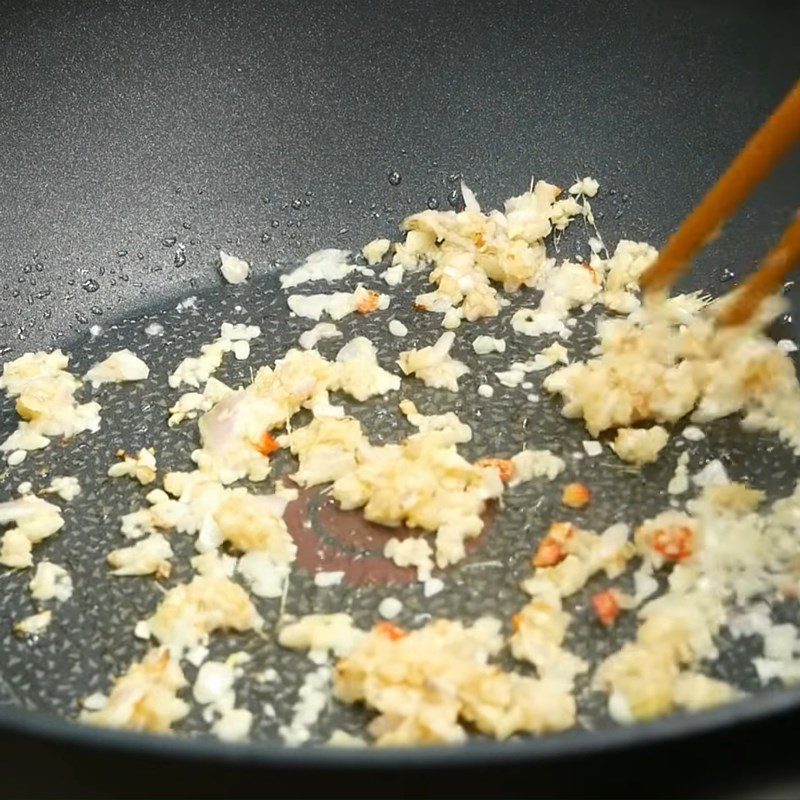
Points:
[(570, 744)]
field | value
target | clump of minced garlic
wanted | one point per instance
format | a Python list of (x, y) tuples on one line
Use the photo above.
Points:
[(670, 362)]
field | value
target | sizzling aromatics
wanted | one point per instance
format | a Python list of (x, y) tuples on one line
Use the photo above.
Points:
[(715, 557)]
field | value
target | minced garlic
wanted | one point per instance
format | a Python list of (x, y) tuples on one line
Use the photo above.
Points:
[(233, 268), (338, 304), (424, 483), (34, 520), (426, 685), (376, 250), (45, 401), (141, 467), (321, 634), (191, 611), (434, 365), (145, 697), (119, 367), (640, 445), (149, 556), (50, 582), (194, 371), (34, 625)]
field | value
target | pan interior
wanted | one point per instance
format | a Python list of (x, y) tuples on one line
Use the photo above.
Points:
[(92, 638)]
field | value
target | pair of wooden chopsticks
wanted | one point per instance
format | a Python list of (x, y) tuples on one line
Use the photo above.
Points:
[(753, 163)]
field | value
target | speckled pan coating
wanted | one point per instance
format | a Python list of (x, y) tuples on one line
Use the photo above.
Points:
[(91, 637)]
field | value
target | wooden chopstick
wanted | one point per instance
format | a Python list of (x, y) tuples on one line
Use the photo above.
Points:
[(753, 163), (767, 280)]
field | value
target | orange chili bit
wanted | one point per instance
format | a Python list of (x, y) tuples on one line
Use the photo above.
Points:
[(369, 303), (576, 495), (504, 466), (674, 543), (267, 444), (390, 631), (550, 553), (516, 622), (591, 269), (479, 240), (561, 531), (606, 606)]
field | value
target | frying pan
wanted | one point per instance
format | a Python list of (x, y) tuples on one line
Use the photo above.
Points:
[(137, 139)]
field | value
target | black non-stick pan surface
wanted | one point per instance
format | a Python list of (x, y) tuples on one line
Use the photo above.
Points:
[(137, 139)]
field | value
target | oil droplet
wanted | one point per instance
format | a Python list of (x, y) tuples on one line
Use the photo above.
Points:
[(296, 203), (180, 258), (787, 319), (453, 197), (275, 224), (726, 275), (122, 253), (27, 269), (266, 237), (395, 178), (432, 203), (169, 241), (454, 177), (39, 267), (787, 287), (81, 318), (90, 286), (187, 226)]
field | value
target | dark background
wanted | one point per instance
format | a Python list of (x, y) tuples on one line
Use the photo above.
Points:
[(137, 137)]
